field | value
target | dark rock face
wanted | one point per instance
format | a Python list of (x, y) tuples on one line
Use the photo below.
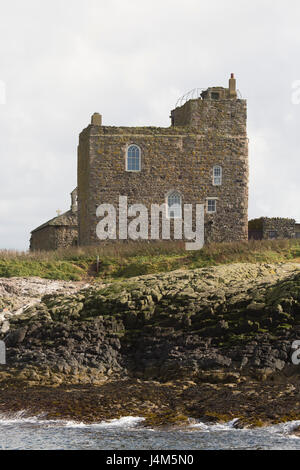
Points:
[(16, 337), (238, 318), (67, 346)]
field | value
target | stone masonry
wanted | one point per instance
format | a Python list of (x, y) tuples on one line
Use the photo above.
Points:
[(205, 132), (272, 228), (277, 227), (59, 232)]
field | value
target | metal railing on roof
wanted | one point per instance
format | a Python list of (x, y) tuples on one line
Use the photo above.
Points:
[(195, 94), (190, 95)]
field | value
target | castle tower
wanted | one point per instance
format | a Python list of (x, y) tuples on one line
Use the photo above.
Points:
[(217, 109), (202, 158)]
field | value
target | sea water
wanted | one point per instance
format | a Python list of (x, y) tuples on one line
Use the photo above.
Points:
[(127, 433)]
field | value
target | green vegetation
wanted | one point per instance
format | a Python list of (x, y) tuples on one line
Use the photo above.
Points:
[(125, 260)]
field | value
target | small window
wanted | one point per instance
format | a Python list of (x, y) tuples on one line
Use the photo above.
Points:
[(174, 206), (211, 205), (133, 159), (217, 175), (272, 234), (215, 95)]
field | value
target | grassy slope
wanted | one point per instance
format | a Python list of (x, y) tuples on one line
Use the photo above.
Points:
[(121, 261)]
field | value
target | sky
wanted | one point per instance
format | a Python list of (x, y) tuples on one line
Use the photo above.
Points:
[(130, 60)]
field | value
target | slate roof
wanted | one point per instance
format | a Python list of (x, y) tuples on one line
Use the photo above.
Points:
[(67, 219)]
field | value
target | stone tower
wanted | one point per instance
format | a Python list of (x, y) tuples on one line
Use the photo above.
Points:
[(202, 158)]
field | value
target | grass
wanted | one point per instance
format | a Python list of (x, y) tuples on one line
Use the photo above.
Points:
[(125, 260)]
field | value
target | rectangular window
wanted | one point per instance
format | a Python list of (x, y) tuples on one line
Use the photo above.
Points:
[(217, 176), (133, 164), (272, 234), (214, 95), (174, 206), (211, 205)]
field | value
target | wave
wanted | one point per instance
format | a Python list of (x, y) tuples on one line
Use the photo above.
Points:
[(133, 423), (124, 422), (281, 429), (205, 427), (21, 417), (285, 429)]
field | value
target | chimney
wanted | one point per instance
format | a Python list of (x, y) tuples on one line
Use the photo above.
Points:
[(232, 86), (96, 119), (74, 206)]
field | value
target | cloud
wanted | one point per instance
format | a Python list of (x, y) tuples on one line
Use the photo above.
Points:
[(130, 61)]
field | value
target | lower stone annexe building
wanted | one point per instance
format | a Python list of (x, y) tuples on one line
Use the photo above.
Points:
[(272, 228), (59, 232), (202, 158)]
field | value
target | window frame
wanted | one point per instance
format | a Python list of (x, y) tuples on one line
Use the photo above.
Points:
[(220, 177), (126, 158), (169, 194), (215, 95), (208, 199), (272, 234)]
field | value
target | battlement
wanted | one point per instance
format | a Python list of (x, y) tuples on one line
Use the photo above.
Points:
[(216, 109)]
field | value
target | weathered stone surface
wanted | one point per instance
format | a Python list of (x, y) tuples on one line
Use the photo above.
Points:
[(273, 227), (59, 232)]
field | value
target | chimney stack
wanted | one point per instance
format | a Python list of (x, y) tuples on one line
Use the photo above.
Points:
[(74, 206), (96, 119), (232, 86)]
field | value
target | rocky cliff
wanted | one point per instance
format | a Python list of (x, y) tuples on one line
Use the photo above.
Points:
[(223, 329)]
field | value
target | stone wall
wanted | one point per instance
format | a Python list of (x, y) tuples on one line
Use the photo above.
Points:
[(224, 116), (255, 229), (278, 227), (84, 188), (52, 237), (177, 158), (59, 232)]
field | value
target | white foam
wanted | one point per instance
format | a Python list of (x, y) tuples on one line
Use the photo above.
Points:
[(283, 428), (125, 422), (132, 422), (21, 418), (205, 427)]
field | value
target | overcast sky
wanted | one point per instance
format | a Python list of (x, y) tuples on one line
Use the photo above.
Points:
[(130, 60)]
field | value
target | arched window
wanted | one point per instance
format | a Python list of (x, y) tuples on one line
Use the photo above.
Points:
[(133, 158), (217, 175), (174, 205)]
